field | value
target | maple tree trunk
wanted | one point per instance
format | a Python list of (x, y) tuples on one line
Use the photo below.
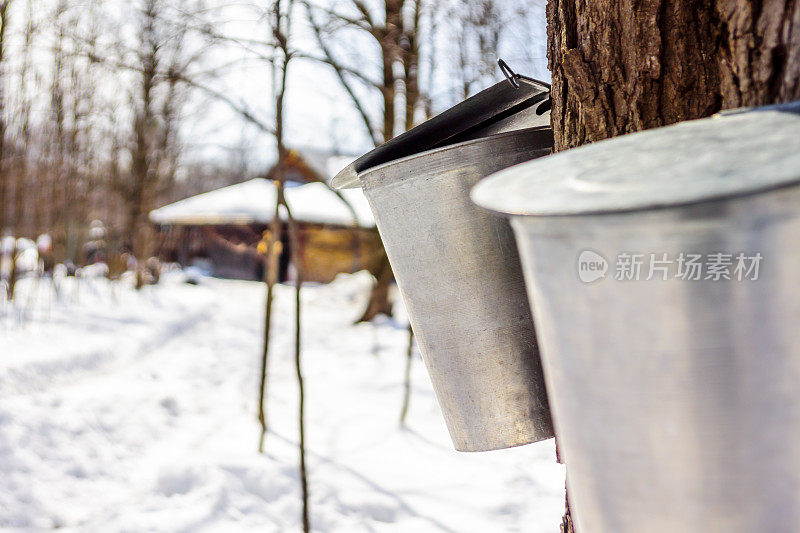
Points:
[(619, 67), (379, 303)]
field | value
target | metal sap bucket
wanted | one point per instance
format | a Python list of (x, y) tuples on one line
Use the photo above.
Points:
[(458, 270), (676, 402)]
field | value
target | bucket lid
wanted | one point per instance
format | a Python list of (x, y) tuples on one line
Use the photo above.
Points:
[(731, 154), (492, 110)]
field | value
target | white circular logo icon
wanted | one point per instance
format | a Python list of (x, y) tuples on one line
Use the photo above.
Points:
[(591, 266)]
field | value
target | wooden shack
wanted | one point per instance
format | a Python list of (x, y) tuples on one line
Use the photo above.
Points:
[(222, 229)]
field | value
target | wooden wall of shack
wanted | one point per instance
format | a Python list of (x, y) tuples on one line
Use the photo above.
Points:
[(232, 249)]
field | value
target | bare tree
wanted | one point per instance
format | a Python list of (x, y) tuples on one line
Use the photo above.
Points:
[(5, 6), (4, 170), (91, 129), (71, 92), (18, 163), (151, 124), (280, 17), (397, 29), (281, 28), (24, 106), (272, 251), (477, 29), (48, 149), (407, 377)]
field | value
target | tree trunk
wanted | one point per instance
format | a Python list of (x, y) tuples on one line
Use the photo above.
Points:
[(407, 377), (620, 67), (4, 5), (379, 303), (272, 254)]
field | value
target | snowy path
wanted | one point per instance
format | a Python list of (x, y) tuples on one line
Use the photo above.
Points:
[(139, 415)]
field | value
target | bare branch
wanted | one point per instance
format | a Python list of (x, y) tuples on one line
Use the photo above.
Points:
[(239, 108), (340, 73), (364, 24), (327, 60)]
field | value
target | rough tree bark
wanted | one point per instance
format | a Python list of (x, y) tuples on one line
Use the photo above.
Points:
[(620, 67)]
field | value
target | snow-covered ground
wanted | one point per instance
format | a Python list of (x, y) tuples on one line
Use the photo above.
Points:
[(135, 411)]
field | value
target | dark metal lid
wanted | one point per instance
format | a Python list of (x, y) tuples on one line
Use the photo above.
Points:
[(527, 142), (731, 154), (502, 107)]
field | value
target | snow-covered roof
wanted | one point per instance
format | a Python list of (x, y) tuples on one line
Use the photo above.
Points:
[(254, 201)]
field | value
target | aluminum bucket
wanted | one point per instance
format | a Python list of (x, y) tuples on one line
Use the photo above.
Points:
[(676, 401), (458, 271)]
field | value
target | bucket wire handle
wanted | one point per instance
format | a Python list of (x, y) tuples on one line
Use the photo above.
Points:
[(512, 77)]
